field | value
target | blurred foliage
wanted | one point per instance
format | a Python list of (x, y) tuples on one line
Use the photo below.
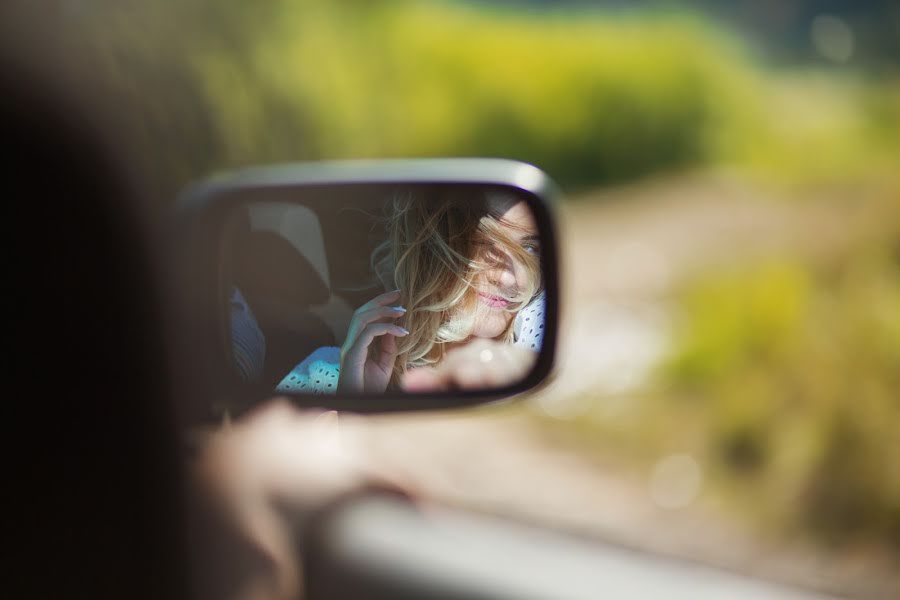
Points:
[(795, 369), (783, 380), (820, 128), (591, 97), (780, 29), (211, 85)]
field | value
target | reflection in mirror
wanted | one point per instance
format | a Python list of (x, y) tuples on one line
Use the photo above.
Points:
[(368, 289)]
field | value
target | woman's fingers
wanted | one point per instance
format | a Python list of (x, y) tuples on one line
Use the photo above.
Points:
[(381, 300), (371, 320), (377, 313), (358, 352), (373, 330), (373, 310), (363, 319), (388, 354)]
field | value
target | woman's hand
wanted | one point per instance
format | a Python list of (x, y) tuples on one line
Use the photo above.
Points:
[(480, 364), (367, 362), (254, 487)]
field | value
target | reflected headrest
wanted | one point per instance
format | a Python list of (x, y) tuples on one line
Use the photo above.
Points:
[(269, 269)]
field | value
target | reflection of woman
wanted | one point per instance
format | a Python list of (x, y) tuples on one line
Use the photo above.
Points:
[(464, 269)]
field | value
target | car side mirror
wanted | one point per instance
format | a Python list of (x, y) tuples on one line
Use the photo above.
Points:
[(370, 286)]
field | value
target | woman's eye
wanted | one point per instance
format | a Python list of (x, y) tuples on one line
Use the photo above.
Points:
[(531, 248)]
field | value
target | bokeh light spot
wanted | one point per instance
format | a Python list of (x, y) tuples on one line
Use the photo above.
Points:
[(832, 38), (675, 481)]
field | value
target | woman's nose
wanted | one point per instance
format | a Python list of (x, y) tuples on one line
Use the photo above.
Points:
[(507, 276), (503, 273)]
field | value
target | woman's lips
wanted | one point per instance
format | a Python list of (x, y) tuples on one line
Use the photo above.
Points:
[(493, 301)]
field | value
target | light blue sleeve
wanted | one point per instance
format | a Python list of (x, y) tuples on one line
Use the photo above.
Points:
[(317, 374)]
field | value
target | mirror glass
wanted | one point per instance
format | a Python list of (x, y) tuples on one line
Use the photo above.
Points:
[(368, 289)]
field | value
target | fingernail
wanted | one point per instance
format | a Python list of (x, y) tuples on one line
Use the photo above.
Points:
[(403, 329), (399, 309)]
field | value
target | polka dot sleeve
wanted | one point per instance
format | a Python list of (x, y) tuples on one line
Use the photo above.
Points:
[(317, 374), (529, 325)]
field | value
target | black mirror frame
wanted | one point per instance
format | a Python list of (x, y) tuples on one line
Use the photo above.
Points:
[(201, 214)]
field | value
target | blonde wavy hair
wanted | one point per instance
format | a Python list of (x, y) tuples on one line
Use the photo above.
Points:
[(437, 252)]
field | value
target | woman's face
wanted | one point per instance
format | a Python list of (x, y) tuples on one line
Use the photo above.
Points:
[(501, 283)]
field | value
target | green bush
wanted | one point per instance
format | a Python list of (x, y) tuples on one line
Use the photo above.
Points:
[(589, 98), (790, 373), (818, 127)]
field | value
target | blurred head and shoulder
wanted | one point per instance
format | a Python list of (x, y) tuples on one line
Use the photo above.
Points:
[(95, 480)]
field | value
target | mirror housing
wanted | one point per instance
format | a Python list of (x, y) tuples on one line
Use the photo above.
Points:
[(278, 194)]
